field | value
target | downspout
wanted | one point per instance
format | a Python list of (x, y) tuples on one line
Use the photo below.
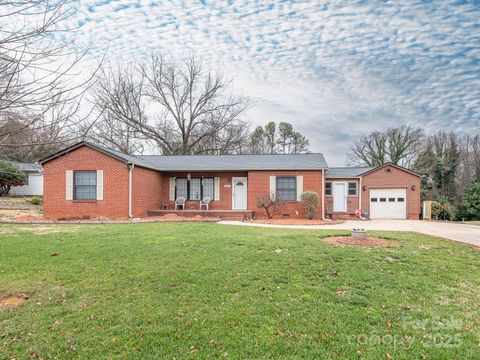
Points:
[(323, 194), (130, 171), (360, 190)]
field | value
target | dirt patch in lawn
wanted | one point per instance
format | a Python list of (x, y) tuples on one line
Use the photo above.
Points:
[(367, 242), (38, 229), (12, 301)]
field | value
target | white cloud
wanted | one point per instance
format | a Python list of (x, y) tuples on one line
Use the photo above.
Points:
[(336, 70)]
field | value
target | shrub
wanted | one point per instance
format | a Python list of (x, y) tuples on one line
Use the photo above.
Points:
[(310, 201), (443, 210), (10, 176), (270, 205), (470, 207), (36, 200)]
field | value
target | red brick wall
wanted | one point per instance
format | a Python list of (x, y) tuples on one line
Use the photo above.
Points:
[(115, 203), (259, 184), (396, 178), (225, 202), (352, 201), (148, 189)]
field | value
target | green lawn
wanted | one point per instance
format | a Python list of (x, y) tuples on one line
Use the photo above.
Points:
[(194, 290)]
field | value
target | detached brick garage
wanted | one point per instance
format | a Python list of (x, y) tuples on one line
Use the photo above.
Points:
[(89, 181)]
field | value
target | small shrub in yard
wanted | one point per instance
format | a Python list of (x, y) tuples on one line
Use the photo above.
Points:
[(36, 200), (443, 210), (10, 176), (270, 205), (310, 201)]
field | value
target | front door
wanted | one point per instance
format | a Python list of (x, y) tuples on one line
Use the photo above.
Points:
[(339, 197), (239, 193)]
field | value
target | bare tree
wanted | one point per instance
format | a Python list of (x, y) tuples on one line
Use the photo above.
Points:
[(39, 80), (119, 105), (193, 112), (270, 205), (398, 145)]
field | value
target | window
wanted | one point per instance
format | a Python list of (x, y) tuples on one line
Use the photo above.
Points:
[(383, 199), (400, 199), (391, 199), (373, 199), (181, 188), (287, 188), (85, 185), (207, 188), (328, 189), (195, 188), (352, 188)]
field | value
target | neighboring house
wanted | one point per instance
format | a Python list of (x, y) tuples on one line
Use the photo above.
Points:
[(33, 180), (89, 181)]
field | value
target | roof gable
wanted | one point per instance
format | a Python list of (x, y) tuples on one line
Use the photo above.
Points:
[(392, 165)]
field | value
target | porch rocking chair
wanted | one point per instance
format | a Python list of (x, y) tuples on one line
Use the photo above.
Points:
[(204, 202), (180, 202)]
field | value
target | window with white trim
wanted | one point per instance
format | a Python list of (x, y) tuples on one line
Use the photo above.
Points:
[(181, 188), (352, 188), (208, 188), (328, 188), (195, 188), (286, 188), (85, 185)]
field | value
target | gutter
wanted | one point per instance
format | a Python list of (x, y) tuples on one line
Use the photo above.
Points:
[(131, 166)]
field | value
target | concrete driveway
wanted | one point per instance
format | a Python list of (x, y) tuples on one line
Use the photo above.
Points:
[(469, 234)]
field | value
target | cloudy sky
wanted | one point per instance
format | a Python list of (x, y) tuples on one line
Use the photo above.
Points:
[(335, 69)]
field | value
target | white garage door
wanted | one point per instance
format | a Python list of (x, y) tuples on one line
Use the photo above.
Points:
[(388, 204)]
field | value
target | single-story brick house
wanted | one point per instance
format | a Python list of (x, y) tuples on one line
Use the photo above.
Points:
[(89, 181)]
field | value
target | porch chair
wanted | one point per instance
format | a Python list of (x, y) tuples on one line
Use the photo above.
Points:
[(180, 202), (204, 202)]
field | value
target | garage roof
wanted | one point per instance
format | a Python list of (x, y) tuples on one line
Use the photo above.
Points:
[(345, 172)]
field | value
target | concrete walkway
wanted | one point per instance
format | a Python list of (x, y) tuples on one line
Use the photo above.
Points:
[(469, 234)]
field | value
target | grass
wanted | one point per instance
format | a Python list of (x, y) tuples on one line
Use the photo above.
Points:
[(194, 290), (473, 222)]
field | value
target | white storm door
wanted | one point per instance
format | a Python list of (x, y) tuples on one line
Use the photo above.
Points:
[(339, 197), (239, 193)]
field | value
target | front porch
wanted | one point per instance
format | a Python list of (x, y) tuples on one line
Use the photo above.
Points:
[(238, 215)]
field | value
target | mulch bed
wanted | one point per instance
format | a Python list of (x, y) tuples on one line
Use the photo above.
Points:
[(366, 242), (31, 219), (294, 222)]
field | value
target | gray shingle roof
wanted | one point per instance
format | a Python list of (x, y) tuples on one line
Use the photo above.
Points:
[(236, 162), (211, 162), (341, 172), (27, 167)]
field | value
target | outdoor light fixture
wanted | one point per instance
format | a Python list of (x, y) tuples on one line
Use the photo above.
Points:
[(364, 188), (189, 176), (413, 187)]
